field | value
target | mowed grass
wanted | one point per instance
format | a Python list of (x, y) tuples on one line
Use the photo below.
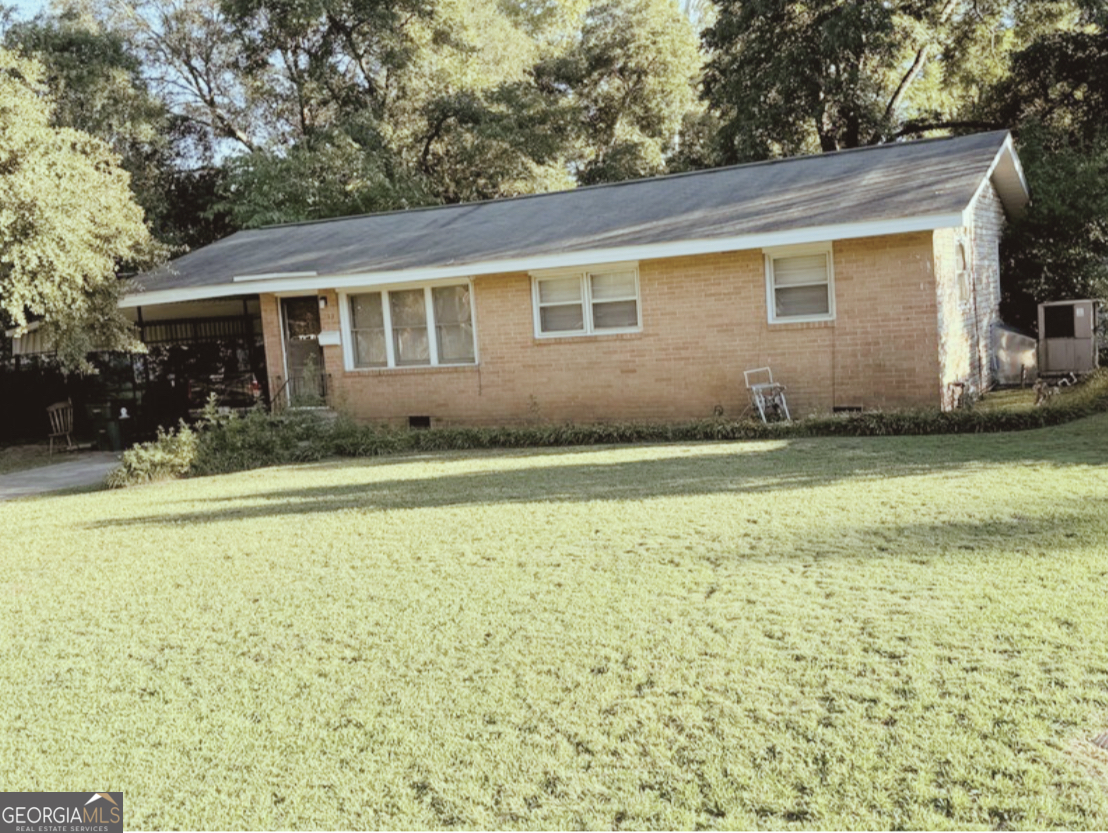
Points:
[(855, 633)]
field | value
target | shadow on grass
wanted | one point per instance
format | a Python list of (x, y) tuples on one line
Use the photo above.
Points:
[(796, 465)]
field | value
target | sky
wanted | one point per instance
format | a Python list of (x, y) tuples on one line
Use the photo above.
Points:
[(26, 8)]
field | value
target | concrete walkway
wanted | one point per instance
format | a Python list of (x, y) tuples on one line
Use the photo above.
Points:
[(86, 470)]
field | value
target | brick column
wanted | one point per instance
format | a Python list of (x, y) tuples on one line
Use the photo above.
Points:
[(271, 338)]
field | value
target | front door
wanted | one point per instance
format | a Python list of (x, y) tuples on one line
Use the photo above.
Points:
[(307, 381)]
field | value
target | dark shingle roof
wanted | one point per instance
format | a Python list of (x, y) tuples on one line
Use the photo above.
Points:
[(888, 182)]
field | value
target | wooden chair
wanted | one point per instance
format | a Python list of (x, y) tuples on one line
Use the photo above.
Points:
[(61, 424)]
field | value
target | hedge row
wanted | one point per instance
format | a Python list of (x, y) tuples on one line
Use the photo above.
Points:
[(225, 444)]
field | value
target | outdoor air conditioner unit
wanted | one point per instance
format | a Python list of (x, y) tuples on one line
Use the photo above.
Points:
[(1067, 337)]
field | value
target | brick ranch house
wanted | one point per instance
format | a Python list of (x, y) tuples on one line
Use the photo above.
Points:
[(865, 279)]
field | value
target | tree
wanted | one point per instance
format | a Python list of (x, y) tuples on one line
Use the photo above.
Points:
[(96, 83), (329, 175), (499, 142), (262, 74), (324, 107), (426, 101), (1056, 99), (631, 80), (464, 112), (67, 222), (191, 55), (788, 77)]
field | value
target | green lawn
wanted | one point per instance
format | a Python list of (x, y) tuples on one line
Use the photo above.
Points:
[(851, 633)]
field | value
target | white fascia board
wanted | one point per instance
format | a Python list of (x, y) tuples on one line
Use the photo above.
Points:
[(1010, 146), (1006, 174), (587, 257)]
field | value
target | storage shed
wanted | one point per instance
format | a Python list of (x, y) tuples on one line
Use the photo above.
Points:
[(1067, 337)]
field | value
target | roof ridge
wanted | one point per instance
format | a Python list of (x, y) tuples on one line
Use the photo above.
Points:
[(626, 182)]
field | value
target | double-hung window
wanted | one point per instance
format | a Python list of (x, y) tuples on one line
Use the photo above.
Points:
[(367, 328), (453, 316), (410, 339), (800, 284), (418, 327), (587, 302)]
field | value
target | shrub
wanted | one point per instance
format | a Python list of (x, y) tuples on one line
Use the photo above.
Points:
[(260, 439), (221, 444), (172, 454)]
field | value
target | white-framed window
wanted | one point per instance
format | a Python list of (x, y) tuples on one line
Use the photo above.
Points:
[(409, 326), (585, 302), (367, 330), (800, 283)]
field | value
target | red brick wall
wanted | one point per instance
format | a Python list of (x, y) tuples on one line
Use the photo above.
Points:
[(704, 322)]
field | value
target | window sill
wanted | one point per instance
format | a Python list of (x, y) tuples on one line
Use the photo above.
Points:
[(588, 338), (358, 372), (803, 324)]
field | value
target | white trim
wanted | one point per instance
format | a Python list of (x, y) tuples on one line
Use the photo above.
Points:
[(770, 254), (585, 276), (1010, 183), (284, 348), (536, 304), (386, 322), (566, 260), (473, 324), (432, 325), (346, 323), (1010, 146)]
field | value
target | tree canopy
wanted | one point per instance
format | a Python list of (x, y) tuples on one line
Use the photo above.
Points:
[(96, 80), (396, 104), (67, 221), (788, 77), (238, 113), (1056, 98)]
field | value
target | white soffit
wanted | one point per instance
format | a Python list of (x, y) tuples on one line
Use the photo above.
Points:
[(1008, 178)]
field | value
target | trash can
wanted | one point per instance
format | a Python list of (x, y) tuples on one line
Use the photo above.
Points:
[(114, 436), (98, 416)]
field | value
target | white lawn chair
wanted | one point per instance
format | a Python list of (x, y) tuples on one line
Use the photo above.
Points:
[(766, 395)]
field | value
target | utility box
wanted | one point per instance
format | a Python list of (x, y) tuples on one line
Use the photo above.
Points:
[(1067, 337), (1015, 356)]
